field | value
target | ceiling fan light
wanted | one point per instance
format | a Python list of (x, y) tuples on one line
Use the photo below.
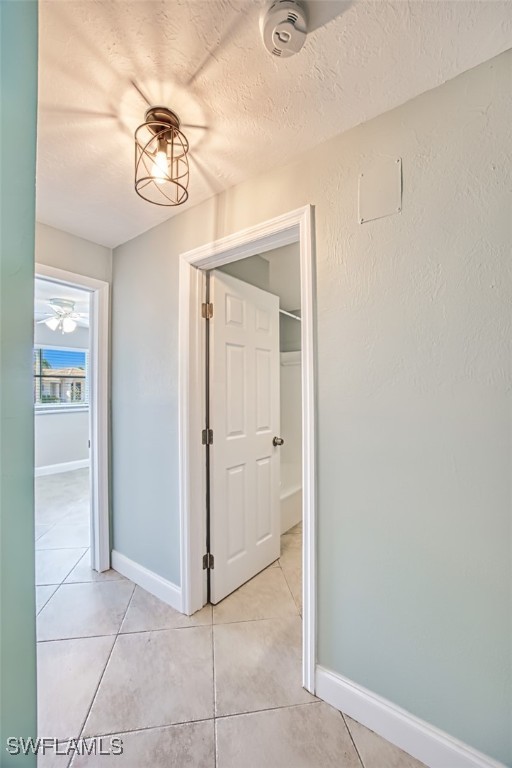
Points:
[(161, 159), (68, 325), (52, 323)]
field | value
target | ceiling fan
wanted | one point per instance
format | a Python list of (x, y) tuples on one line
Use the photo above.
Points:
[(64, 317)]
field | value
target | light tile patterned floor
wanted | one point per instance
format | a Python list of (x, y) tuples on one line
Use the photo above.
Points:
[(220, 689)]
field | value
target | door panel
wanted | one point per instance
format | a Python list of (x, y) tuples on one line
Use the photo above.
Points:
[(244, 416)]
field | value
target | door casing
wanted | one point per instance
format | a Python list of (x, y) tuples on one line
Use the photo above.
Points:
[(296, 226), (98, 406)]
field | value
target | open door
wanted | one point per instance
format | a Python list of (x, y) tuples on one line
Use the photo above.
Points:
[(244, 417)]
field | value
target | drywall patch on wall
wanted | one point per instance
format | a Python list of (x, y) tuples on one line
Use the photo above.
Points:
[(380, 189)]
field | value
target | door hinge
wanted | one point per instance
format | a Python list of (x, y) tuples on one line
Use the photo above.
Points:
[(207, 311), (208, 561), (207, 436)]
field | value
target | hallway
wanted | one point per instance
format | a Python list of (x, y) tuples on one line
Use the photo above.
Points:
[(220, 688)]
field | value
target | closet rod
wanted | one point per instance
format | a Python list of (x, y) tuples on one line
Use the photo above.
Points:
[(290, 314)]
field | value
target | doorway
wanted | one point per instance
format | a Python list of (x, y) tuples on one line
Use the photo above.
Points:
[(71, 388), (292, 228), (61, 434)]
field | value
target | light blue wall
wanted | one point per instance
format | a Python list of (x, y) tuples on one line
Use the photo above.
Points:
[(18, 74), (414, 400), (144, 407)]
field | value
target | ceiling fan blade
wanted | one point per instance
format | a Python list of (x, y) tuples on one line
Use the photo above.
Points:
[(46, 315)]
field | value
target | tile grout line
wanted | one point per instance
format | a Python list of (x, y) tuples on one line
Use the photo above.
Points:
[(58, 586), (215, 742), (290, 589), (205, 719), (59, 549), (212, 629), (351, 738), (125, 634), (60, 583), (269, 709), (104, 668), (159, 629), (51, 526), (68, 573), (52, 594)]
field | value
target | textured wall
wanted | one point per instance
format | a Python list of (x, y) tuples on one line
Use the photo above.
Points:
[(18, 88), (414, 416)]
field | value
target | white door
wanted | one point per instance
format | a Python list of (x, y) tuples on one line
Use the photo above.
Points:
[(244, 416)]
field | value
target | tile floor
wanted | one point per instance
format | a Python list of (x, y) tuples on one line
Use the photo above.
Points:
[(220, 689)]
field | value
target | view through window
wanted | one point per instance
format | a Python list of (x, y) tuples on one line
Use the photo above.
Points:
[(60, 377)]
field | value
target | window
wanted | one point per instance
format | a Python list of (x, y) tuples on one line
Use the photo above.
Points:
[(60, 378)]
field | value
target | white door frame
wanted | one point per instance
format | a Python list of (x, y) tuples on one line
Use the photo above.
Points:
[(296, 226), (98, 405)]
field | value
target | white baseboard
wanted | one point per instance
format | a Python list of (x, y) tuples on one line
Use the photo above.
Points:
[(158, 586), (291, 510), (55, 469), (432, 746)]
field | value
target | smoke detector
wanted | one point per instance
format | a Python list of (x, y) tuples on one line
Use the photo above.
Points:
[(284, 28)]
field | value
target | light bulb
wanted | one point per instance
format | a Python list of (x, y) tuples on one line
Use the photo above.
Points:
[(52, 323), (160, 168), (68, 325)]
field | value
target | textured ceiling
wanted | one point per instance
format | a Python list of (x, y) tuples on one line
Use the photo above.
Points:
[(205, 59)]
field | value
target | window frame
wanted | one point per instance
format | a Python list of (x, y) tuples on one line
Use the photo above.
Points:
[(42, 408)]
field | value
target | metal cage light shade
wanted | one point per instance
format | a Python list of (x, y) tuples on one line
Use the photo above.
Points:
[(161, 158)]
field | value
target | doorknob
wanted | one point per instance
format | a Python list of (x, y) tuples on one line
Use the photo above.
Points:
[(277, 441)]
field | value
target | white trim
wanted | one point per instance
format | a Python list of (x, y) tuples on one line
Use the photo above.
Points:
[(98, 404), (149, 580), (41, 410), (192, 489), (291, 509), (292, 227), (423, 741), (56, 469)]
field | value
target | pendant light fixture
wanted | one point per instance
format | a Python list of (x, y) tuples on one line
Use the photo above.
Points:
[(161, 161)]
